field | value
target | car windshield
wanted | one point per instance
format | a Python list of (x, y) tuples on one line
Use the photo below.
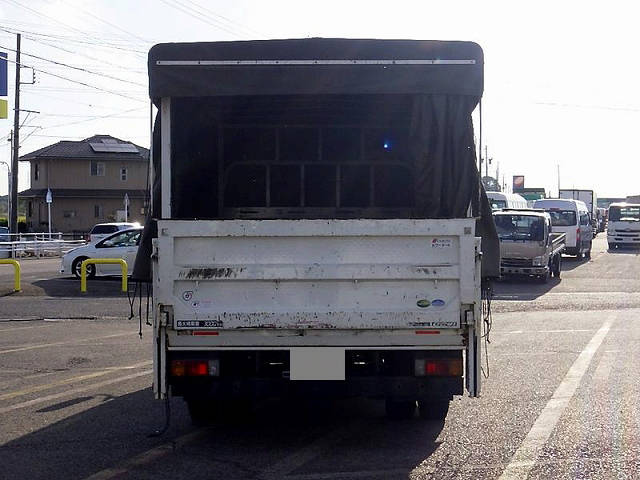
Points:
[(125, 239), (101, 229), (498, 204), (520, 227), (563, 218), (624, 214)]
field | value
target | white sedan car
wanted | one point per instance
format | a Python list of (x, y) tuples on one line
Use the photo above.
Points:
[(123, 244)]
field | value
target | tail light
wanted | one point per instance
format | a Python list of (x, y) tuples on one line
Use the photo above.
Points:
[(195, 368), (438, 367)]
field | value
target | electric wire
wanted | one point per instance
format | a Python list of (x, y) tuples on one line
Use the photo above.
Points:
[(74, 67)]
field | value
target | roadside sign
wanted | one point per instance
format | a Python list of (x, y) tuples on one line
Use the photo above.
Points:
[(4, 109), (3, 74), (49, 196)]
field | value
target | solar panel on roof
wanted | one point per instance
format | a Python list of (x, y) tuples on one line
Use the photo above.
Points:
[(113, 148)]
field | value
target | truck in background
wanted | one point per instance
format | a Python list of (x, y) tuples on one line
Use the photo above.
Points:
[(572, 218), (623, 225), (528, 246), (589, 198), (301, 240), (500, 200)]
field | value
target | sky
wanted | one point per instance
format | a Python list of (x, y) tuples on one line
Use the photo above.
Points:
[(562, 79)]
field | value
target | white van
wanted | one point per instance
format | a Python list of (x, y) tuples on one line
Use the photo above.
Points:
[(500, 200), (572, 218), (623, 228)]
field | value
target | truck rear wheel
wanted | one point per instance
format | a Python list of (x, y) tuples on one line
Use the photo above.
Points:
[(433, 409), (400, 409)]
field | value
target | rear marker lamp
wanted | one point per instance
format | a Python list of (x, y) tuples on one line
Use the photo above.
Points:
[(195, 368), (441, 367)]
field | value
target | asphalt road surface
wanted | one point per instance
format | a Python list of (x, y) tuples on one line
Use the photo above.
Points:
[(561, 399)]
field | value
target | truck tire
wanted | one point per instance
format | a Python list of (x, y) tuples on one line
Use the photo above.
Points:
[(612, 246), (400, 409), (544, 278), (433, 409), (557, 266)]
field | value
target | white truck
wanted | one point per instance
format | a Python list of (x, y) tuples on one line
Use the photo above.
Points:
[(305, 238), (623, 226), (590, 199)]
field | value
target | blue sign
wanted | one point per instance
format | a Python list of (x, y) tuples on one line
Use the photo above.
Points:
[(3, 74)]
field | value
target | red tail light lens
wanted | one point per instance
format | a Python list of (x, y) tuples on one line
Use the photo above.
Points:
[(441, 367), (195, 368)]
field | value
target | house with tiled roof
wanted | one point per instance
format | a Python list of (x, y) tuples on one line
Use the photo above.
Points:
[(89, 180)]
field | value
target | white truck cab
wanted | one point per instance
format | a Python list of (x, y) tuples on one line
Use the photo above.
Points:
[(570, 217), (623, 228)]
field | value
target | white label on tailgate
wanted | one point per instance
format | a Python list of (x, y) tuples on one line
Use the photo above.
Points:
[(441, 243), (321, 363)]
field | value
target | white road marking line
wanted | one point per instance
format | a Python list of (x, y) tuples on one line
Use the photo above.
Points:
[(305, 454), (56, 344), (149, 456), (24, 328), (55, 396), (66, 381), (525, 457), (513, 332)]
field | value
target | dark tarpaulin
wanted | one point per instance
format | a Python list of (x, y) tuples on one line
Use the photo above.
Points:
[(442, 151), (207, 80)]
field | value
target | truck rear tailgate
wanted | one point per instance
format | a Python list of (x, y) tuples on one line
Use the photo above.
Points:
[(320, 274)]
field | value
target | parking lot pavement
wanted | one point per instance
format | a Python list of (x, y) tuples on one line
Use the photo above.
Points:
[(560, 401)]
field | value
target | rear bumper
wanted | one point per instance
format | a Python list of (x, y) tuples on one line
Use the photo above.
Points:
[(411, 388), (372, 373)]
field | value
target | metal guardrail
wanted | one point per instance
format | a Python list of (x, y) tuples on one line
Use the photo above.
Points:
[(102, 261), (16, 272), (37, 248)]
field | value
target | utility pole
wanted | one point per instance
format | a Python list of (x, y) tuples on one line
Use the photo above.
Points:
[(16, 146)]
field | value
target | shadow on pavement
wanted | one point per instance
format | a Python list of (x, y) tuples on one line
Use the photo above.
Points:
[(70, 287), (342, 436), (518, 288), (88, 442)]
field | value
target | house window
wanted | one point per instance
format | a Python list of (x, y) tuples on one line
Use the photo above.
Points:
[(69, 213), (36, 171), (98, 211), (97, 169), (123, 174)]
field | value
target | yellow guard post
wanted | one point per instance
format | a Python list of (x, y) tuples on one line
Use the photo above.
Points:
[(16, 272), (102, 261)]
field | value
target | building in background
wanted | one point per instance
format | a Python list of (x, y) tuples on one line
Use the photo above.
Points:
[(88, 180)]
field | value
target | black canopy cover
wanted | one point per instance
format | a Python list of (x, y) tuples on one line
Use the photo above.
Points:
[(444, 81)]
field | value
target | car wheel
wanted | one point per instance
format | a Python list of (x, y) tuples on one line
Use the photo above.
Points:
[(76, 267), (400, 409), (612, 246)]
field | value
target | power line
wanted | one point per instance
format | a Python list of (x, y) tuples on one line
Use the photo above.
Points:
[(76, 68), (226, 19), (68, 27), (106, 22), (97, 117), (78, 82), (73, 52), (192, 12)]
